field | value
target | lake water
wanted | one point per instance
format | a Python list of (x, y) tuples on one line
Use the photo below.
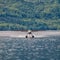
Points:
[(47, 48)]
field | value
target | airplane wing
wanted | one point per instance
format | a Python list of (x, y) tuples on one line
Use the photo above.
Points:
[(36, 34)]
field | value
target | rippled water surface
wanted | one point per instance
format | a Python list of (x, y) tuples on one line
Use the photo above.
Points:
[(30, 49)]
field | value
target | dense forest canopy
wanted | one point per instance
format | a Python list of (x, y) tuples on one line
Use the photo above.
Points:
[(30, 14)]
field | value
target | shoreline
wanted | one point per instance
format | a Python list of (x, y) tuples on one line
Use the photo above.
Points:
[(37, 34)]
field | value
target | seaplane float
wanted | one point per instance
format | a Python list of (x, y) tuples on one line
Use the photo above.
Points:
[(29, 34)]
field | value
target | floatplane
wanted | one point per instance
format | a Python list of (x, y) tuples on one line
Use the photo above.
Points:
[(29, 34)]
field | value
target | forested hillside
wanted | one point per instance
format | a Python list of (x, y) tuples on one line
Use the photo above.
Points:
[(30, 14)]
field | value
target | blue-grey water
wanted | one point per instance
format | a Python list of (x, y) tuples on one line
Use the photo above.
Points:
[(30, 49)]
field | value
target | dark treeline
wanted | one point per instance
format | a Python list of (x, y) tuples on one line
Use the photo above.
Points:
[(26, 14)]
